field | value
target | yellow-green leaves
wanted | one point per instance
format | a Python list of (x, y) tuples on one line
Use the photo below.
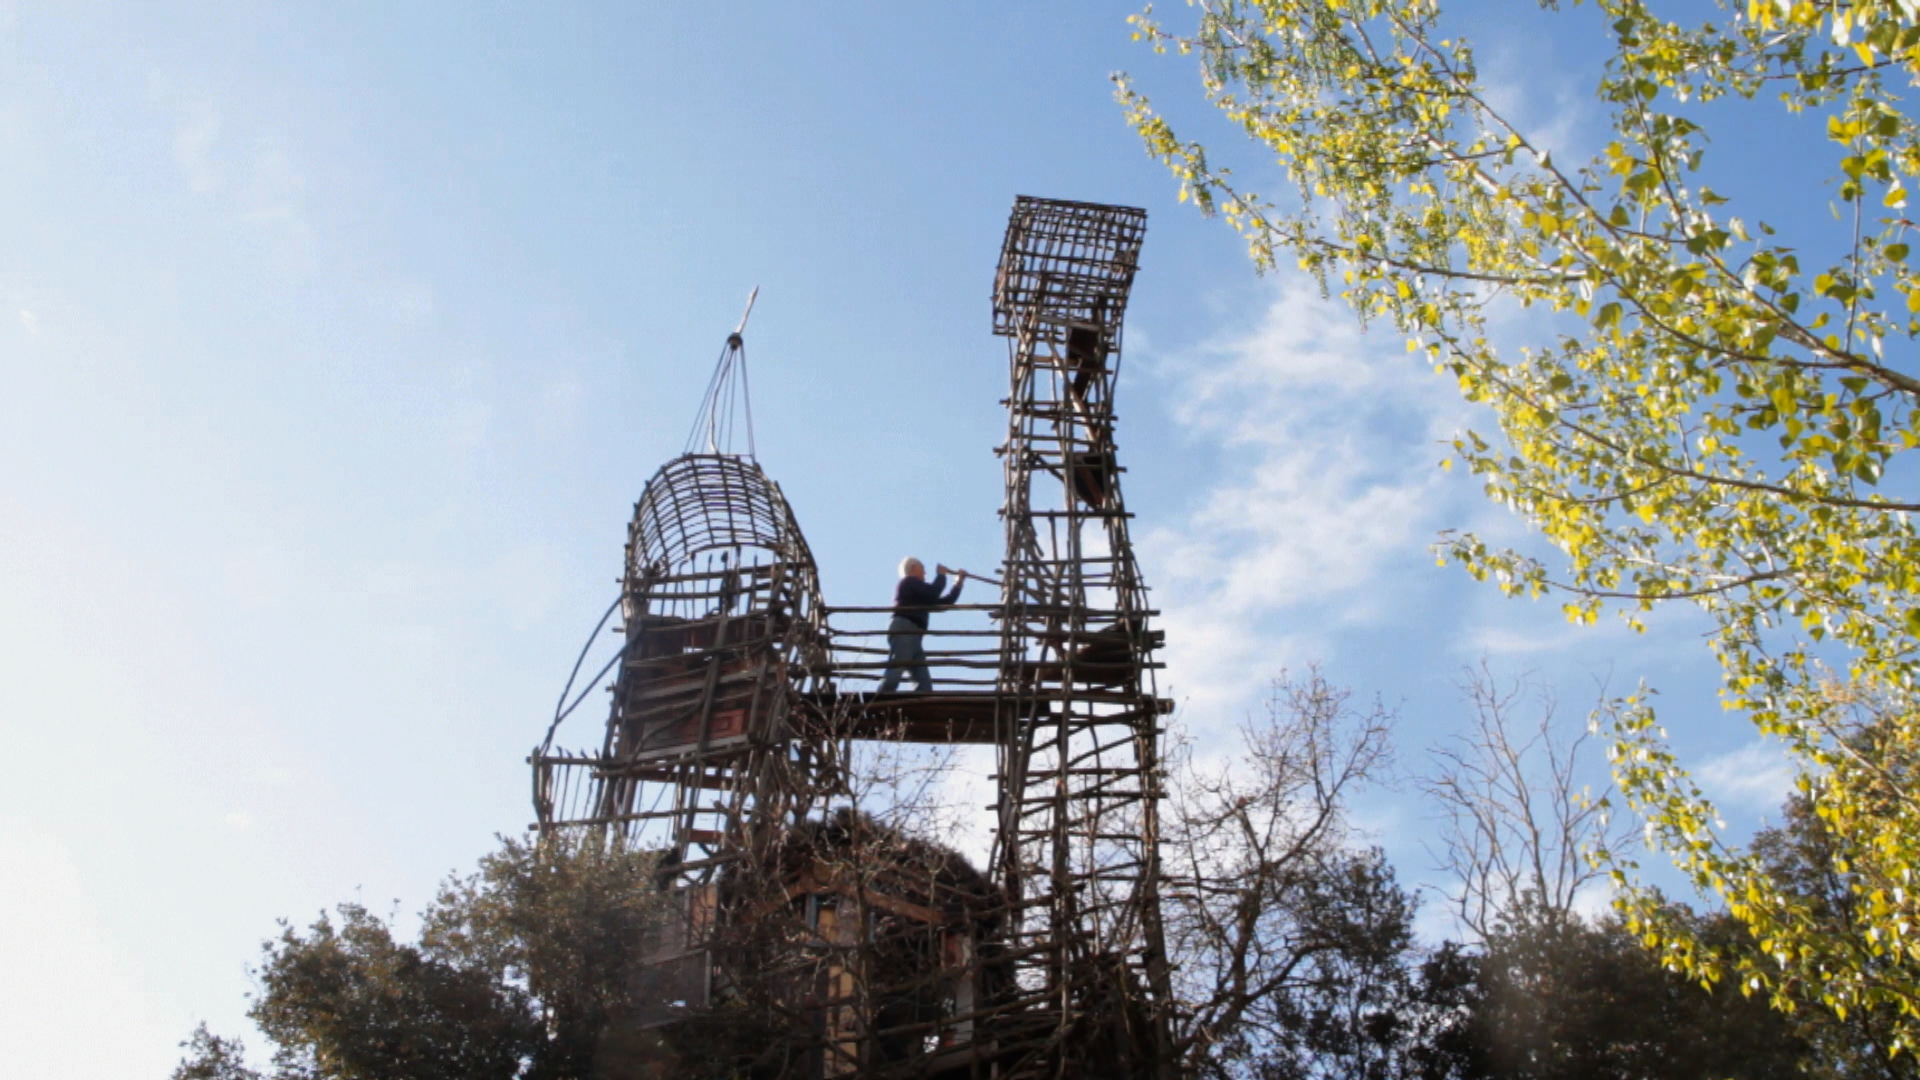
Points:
[(1721, 420)]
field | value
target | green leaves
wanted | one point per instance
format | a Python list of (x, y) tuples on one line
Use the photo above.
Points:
[(346, 1001), (1728, 429), (521, 972)]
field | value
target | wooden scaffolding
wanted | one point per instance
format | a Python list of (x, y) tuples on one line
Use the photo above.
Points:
[(1078, 732), (741, 696)]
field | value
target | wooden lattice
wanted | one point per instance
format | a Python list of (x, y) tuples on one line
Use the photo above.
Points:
[(739, 694)]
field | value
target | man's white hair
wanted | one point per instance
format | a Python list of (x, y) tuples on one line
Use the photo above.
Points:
[(908, 563)]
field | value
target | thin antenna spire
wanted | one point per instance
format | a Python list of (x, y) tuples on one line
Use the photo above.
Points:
[(715, 420), (733, 339)]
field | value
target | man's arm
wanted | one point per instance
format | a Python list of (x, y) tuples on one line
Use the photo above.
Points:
[(922, 594)]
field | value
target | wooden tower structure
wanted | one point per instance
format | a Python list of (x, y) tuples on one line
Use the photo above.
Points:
[(740, 699), (706, 756), (724, 633), (1078, 736)]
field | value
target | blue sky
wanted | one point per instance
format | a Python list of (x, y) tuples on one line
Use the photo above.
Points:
[(337, 340)]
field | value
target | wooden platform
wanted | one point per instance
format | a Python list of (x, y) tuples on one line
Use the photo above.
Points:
[(940, 717)]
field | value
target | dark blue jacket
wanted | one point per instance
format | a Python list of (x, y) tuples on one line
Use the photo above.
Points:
[(912, 598)]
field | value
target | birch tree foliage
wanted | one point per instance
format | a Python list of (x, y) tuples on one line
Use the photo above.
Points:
[(1722, 412)]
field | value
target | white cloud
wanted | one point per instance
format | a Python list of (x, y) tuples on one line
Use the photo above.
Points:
[(254, 177), (274, 199), (1552, 107), (408, 301), (29, 321), (196, 130), (1757, 776), (468, 424), (273, 775), (1500, 641), (193, 141), (559, 405), (1331, 435), (1594, 900), (1555, 122), (275, 185)]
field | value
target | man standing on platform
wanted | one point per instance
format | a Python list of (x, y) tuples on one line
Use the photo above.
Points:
[(913, 599)]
